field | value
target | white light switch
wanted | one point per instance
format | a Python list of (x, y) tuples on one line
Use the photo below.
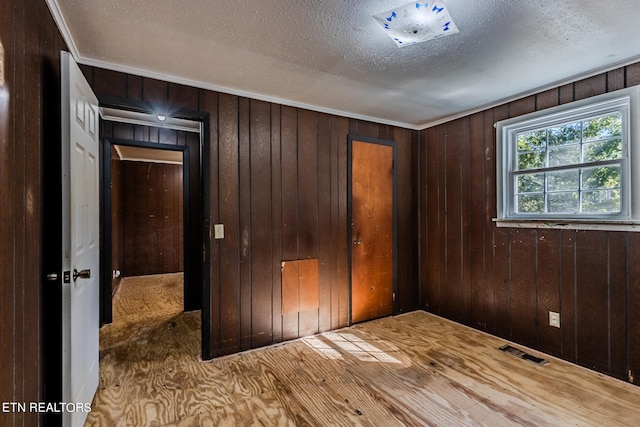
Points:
[(218, 231)]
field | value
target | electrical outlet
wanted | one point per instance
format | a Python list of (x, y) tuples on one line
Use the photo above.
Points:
[(554, 319)]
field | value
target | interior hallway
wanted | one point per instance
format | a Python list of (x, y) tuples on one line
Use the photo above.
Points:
[(412, 369)]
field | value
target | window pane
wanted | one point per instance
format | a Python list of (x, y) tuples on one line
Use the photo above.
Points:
[(567, 155), (603, 150), (530, 183), (601, 177), (530, 203), (564, 180), (531, 141), (565, 134), (567, 202), (532, 160), (601, 201), (602, 127)]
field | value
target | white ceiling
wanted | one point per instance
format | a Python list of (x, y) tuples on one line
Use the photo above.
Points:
[(330, 55)]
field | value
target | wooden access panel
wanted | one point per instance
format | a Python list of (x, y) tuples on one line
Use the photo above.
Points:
[(372, 230), (299, 286)]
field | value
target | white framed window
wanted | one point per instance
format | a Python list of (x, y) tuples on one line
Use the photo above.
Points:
[(577, 163)]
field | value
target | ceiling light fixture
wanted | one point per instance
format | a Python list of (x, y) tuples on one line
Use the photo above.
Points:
[(417, 22), (162, 117)]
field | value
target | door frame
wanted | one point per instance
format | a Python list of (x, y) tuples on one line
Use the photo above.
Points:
[(350, 140), (106, 300), (203, 240)]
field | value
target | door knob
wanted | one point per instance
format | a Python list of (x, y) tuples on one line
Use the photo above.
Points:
[(357, 242), (83, 274)]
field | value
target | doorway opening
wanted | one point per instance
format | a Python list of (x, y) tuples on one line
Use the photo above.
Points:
[(147, 192), (182, 136)]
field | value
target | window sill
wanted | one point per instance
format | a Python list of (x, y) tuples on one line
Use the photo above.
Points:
[(569, 224)]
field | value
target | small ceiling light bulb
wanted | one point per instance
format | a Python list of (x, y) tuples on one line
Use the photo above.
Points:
[(162, 117)]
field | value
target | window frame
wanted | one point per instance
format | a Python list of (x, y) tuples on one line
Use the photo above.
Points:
[(627, 102)]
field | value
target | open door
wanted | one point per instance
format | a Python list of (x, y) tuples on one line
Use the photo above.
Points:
[(372, 212), (80, 240)]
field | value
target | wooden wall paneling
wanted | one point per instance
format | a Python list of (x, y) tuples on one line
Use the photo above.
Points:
[(261, 256), (454, 233), (502, 282), (308, 203), (632, 74), (307, 184), (547, 99), (568, 294), (501, 313), (618, 315), (633, 307), (289, 203), (122, 131), (566, 93), (182, 97), (107, 82), (432, 191), (325, 235), (339, 138), (615, 80), (246, 290), (134, 87), (153, 202), (211, 315), (476, 219), (522, 106), (490, 208), (592, 300), (423, 220), (9, 144), (155, 92), (228, 205), (523, 307), (276, 224), (548, 269), (416, 189), (465, 206), (591, 86), (406, 224)]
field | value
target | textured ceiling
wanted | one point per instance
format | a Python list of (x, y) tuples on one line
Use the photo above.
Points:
[(330, 55)]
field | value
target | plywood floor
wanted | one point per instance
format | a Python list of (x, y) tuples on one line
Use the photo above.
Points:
[(413, 369)]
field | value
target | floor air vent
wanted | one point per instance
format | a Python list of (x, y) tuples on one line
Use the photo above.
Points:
[(522, 355)]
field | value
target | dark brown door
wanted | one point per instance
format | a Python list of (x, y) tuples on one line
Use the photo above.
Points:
[(372, 236)]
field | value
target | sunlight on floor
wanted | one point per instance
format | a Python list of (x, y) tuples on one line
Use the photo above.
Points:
[(333, 345)]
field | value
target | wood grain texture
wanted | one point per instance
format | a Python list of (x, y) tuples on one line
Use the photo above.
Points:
[(372, 271), (517, 276), (413, 369), (153, 236)]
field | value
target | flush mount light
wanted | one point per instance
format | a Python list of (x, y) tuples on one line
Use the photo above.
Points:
[(162, 117), (417, 22)]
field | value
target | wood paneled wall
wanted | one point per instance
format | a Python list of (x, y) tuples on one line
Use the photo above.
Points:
[(152, 218), (278, 184), (506, 280), (30, 47)]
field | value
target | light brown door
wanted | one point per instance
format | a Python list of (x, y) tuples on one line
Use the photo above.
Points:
[(372, 236)]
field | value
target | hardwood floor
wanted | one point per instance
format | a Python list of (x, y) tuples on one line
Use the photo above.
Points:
[(412, 369)]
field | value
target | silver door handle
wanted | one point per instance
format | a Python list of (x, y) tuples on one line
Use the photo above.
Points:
[(83, 274)]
